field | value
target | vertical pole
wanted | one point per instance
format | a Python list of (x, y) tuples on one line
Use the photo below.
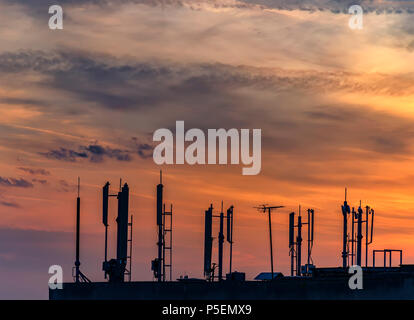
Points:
[(345, 233), (353, 237), (309, 240), (221, 241), (208, 242), (130, 250), (366, 235), (345, 212), (359, 236), (105, 197), (106, 243), (373, 259), (292, 241), (231, 237), (271, 242), (122, 230), (160, 227), (171, 246), (163, 242), (390, 258), (106, 246), (299, 247), (77, 262), (159, 252)]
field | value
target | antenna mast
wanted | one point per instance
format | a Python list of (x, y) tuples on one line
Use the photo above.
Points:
[(160, 264), (264, 208), (116, 269), (230, 212), (346, 210), (79, 276)]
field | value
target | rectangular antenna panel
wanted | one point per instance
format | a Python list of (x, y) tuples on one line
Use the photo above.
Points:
[(208, 241), (159, 204), (291, 228), (105, 195)]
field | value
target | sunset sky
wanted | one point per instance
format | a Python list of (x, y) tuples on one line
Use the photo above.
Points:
[(335, 106)]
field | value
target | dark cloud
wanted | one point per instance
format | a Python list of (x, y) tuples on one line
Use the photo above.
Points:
[(144, 150), (111, 86), (64, 154), (242, 97), (39, 7), (15, 182), (35, 171), (18, 101), (337, 6), (98, 152), (116, 85), (9, 204)]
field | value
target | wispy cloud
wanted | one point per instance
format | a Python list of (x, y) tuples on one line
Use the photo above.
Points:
[(334, 6), (9, 204), (35, 171), (64, 154), (98, 152), (15, 182), (136, 86), (93, 152), (40, 181)]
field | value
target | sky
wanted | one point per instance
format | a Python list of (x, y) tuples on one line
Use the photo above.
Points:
[(335, 106)]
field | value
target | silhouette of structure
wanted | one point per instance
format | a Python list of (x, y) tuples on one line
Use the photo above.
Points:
[(230, 212), (385, 251), (264, 208), (79, 276), (354, 241), (116, 269), (160, 264), (209, 268), (295, 245), (345, 249), (305, 282), (208, 243)]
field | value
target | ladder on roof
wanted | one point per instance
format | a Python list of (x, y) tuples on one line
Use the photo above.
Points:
[(167, 242), (128, 271)]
